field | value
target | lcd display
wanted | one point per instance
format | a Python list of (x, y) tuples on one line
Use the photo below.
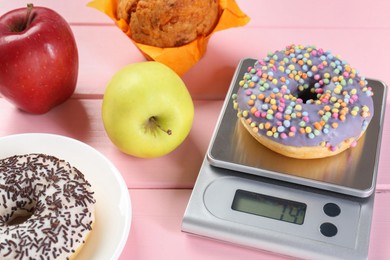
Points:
[(269, 207)]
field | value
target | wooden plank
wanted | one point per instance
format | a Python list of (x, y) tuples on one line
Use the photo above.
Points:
[(156, 231), (309, 14), (104, 50), (263, 13), (380, 228), (74, 11)]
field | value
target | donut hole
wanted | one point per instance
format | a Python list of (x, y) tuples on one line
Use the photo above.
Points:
[(308, 94), (21, 212), (19, 217)]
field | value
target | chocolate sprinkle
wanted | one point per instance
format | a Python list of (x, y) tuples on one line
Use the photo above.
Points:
[(54, 196)]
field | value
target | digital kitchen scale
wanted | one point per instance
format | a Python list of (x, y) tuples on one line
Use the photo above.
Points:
[(249, 195)]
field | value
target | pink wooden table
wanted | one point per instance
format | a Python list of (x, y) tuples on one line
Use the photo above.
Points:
[(160, 188)]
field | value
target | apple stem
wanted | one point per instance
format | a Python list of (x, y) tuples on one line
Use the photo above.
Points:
[(154, 122), (29, 17)]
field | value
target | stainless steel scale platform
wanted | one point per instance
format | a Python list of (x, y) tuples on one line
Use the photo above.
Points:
[(248, 195)]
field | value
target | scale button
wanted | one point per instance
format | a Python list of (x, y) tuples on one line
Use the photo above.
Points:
[(332, 209), (328, 229)]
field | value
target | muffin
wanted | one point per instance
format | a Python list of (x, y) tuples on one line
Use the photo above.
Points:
[(168, 23)]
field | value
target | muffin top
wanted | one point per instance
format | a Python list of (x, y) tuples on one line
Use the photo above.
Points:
[(168, 23)]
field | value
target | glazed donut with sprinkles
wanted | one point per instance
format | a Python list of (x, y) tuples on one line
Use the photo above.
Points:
[(46, 208), (304, 102)]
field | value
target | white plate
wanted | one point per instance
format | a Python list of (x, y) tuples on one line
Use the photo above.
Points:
[(113, 204)]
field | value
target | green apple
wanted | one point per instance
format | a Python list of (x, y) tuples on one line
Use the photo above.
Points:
[(147, 110)]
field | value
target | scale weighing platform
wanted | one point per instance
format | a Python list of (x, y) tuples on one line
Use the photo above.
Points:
[(314, 209)]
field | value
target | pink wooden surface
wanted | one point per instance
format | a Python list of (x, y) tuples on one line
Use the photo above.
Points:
[(357, 30), (363, 42)]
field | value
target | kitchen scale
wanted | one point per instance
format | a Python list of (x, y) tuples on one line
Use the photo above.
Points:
[(249, 195)]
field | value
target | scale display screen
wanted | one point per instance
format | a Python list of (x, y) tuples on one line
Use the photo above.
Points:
[(269, 207)]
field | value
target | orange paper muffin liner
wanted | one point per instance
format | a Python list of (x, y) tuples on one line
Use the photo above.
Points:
[(181, 58)]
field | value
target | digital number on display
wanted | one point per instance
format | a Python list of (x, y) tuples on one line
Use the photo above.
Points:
[(269, 207)]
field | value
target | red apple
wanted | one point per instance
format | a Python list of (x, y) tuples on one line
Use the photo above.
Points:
[(38, 59)]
